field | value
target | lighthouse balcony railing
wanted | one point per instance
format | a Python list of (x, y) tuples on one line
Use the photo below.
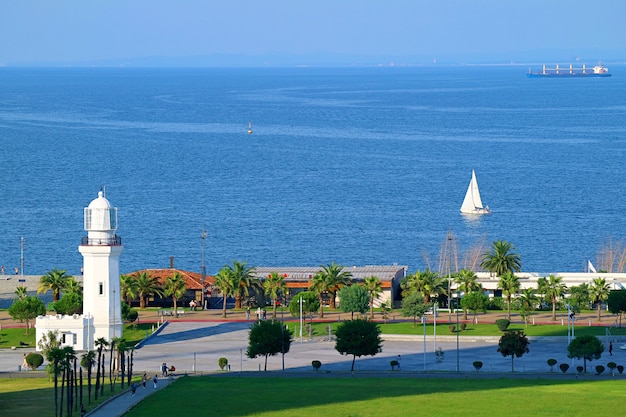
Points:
[(113, 241)]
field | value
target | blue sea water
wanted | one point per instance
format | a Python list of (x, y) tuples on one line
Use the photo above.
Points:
[(360, 166)]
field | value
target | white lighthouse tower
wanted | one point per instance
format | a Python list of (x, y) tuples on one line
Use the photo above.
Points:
[(101, 251)]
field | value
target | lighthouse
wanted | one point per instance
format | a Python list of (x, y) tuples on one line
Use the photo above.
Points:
[(101, 251), (102, 315)]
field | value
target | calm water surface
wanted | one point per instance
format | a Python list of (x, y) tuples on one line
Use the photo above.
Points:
[(359, 166)]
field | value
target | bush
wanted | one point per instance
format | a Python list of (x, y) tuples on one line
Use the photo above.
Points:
[(599, 369), (452, 328), (463, 326), (564, 367), (34, 360), (503, 324), (223, 363), (477, 365), (611, 366), (495, 303), (620, 368), (580, 369), (551, 363), (317, 365), (394, 363)]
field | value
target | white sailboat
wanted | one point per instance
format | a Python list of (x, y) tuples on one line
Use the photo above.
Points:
[(472, 204)]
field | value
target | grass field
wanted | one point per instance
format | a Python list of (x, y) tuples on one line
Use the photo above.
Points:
[(375, 397)]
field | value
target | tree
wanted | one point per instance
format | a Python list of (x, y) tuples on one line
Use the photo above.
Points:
[(87, 361), (354, 298), (73, 287), (101, 345), (275, 286), (426, 282), (374, 288), (145, 286), (267, 338), (175, 287), (580, 296), (475, 301), (328, 281), (413, 305), (21, 292), (224, 283), (528, 300), (617, 303), (552, 288), (310, 304), (467, 282), (600, 292), (501, 258), (513, 343), (70, 303), (243, 278), (27, 309), (55, 281), (55, 355), (128, 288), (509, 284), (588, 347), (358, 338)]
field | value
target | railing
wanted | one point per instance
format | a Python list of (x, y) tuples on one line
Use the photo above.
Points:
[(114, 241)]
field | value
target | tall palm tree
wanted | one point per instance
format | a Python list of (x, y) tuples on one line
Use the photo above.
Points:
[(175, 287), (55, 281), (101, 344), (147, 286), (374, 288), (509, 284), (426, 282), (243, 277), (68, 357), (467, 282), (528, 300), (501, 258), (552, 288), (224, 283), (275, 286), (128, 288), (55, 356), (600, 291), (87, 361), (338, 276)]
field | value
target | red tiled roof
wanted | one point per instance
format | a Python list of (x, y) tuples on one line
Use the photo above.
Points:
[(193, 280)]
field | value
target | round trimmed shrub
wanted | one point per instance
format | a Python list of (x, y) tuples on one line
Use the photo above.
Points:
[(564, 367), (477, 365), (452, 328), (503, 324), (223, 363), (463, 326), (551, 363), (317, 365), (611, 366), (580, 369), (599, 369), (620, 368), (34, 360), (393, 364)]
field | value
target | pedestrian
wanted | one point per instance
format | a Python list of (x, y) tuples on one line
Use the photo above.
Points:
[(143, 380), (610, 348), (264, 314), (248, 313), (2, 269), (133, 388), (24, 363), (258, 313), (155, 380), (164, 369)]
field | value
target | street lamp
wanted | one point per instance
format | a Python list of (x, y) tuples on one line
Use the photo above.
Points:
[(202, 267)]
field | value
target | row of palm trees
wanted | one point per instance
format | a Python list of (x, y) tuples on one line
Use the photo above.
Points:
[(502, 261), (143, 285)]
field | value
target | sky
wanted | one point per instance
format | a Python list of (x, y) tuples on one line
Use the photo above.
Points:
[(65, 32)]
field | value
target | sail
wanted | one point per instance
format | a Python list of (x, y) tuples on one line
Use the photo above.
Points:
[(472, 202)]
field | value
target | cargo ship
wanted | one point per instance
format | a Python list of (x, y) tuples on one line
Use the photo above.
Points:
[(570, 71)]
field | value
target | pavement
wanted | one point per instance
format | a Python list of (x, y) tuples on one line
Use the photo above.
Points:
[(194, 343)]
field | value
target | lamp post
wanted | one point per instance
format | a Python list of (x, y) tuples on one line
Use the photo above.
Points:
[(202, 267), (282, 333), (457, 332)]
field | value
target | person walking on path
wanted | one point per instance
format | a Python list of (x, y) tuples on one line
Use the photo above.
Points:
[(133, 388), (610, 348), (143, 380), (155, 381), (248, 313), (164, 369)]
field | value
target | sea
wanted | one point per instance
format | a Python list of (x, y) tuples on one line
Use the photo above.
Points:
[(355, 165)]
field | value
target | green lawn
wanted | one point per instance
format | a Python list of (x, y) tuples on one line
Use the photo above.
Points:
[(372, 397)]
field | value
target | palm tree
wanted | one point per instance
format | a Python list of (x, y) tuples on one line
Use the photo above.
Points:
[(224, 283), (426, 282), (467, 282), (552, 288), (128, 288), (55, 356), (21, 292), (374, 288), (146, 286), (101, 344), (580, 295), (509, 284), (55, 281), (73, 287), (600, 291), (338, 277), (528, 300), (87, 361), (68, 357), (501, 258), (175, 287), (243, 277), (275, 286)]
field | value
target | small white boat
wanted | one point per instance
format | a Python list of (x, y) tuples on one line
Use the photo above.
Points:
[(472, 204), (249, 128)]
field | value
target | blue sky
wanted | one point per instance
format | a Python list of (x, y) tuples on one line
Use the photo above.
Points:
[(81, 31)]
